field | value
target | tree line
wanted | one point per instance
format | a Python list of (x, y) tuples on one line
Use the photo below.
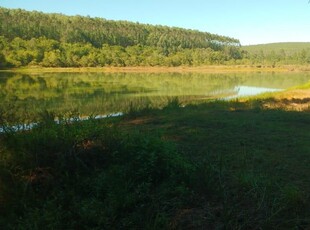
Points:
[(51, 53), (55, 40)]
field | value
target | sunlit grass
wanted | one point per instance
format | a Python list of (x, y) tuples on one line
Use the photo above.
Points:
[(149, 69)]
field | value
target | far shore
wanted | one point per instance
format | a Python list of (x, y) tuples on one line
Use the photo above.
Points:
[(159, 69)]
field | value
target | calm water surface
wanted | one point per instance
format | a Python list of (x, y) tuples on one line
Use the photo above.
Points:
[(104, 93)]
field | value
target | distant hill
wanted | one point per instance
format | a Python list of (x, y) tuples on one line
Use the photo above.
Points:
[(99, 31), (288, 47)]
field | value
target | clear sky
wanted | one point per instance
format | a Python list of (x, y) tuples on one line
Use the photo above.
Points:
[(250, 21)]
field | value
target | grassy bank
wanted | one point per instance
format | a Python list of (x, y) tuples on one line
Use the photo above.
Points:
[(155, 69), (293, 99), (219, 165)]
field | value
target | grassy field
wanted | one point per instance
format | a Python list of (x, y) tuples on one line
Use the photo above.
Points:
[(217, 165), (288, 47), (253, 162)]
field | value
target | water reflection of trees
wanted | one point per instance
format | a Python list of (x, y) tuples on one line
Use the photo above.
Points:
[(102, 93)]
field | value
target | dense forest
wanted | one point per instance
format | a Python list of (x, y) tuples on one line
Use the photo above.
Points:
[(55, 40)]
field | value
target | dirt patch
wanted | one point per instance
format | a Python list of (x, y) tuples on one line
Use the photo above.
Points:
[(136, 121), (293, 100), (296, 94)]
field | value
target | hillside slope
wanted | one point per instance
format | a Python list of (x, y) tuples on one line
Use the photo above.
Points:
[(287, 47), (98, 31)]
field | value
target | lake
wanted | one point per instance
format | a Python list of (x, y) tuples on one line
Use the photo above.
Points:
[(23, 96)]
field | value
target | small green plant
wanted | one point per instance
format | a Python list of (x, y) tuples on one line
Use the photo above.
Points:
[(293, 196), (173, 103)]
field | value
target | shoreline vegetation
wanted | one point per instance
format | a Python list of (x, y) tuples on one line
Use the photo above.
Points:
[(161, 69)]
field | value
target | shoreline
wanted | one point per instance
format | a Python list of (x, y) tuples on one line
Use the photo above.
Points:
[(159, 69)]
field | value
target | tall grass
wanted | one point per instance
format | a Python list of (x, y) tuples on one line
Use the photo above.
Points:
[(89, 175)]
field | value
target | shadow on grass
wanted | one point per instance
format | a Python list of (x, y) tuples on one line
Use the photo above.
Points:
[(217, 165)]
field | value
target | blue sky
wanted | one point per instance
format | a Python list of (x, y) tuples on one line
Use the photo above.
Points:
[(250, 21)]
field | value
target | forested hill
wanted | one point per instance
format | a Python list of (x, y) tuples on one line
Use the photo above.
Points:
[(56, 40), (98, 31)]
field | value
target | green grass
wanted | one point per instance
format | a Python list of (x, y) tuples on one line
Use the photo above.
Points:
[(304, 86), (288, 47), (219, 165), (253, 162)]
